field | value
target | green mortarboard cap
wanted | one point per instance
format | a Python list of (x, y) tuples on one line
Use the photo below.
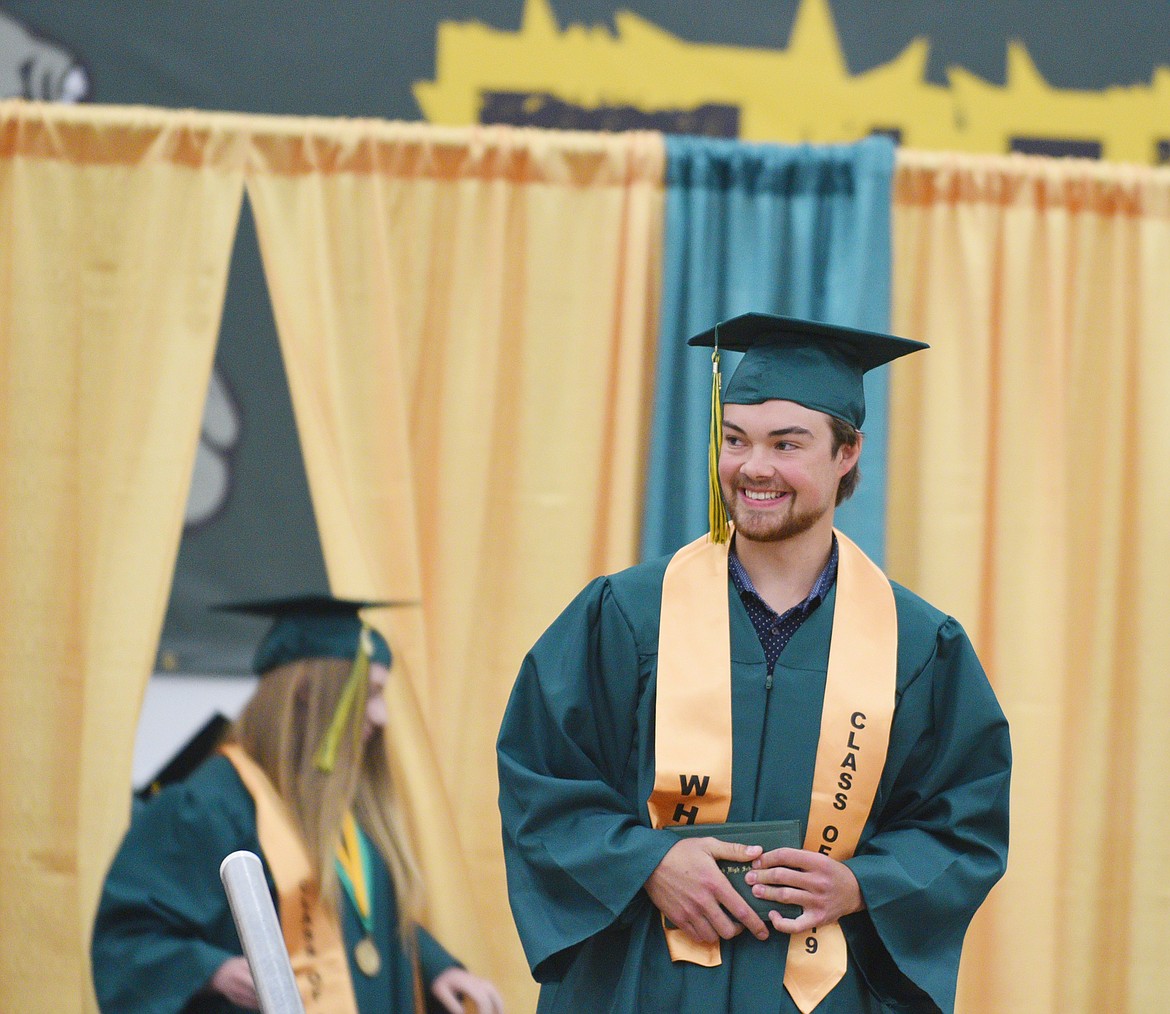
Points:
[(312, 626), (816, 365)]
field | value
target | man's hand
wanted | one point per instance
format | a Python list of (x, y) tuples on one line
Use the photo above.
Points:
[(692, 892), (454, 987), (233, 979), (825, 888)]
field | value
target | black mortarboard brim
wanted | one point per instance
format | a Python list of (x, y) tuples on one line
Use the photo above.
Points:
[(193, 753), (312, 626), (811, 363)]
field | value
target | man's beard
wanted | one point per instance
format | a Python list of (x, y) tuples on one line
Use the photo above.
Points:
[(767, 525)]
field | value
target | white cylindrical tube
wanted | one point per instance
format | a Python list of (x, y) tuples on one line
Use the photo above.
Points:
[(247, 892)]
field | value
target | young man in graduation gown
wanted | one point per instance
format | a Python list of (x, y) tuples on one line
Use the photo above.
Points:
[(303, 782), (766, 673)]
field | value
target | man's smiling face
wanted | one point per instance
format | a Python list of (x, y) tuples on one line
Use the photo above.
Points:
[(777, 469)]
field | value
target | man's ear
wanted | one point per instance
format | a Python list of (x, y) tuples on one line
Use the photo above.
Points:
[(849, 455)]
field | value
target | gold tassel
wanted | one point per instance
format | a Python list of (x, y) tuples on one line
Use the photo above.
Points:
[(716, 509), (354, 694)]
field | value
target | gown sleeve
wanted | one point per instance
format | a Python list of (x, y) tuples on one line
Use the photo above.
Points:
[(433, 957), (163, 925), (938, 841), (433, 960), (576, 847)]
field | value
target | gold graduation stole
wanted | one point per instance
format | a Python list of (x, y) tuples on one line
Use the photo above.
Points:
[(692, 708), (693, 733), (311, 932)]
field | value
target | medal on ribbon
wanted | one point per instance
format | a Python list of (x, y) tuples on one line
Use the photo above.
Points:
[(355, 871)]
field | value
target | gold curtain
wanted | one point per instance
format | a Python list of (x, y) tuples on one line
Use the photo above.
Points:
[(467, 318), (1029, 497), (115, 233)]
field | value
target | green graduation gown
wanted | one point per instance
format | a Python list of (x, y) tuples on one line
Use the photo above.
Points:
[(576, 764), (164, 925)]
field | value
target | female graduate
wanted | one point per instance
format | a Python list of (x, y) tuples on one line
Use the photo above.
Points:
[(302, 780)]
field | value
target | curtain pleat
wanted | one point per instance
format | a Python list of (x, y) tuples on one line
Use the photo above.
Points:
[(1029, 494), (115, 235), (467, 319), (796, 230)]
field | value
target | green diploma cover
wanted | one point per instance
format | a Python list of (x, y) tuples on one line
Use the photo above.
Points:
[(769, 834)]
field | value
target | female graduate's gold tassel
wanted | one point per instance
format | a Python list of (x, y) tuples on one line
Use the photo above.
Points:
[(352, 696), (716, 510)]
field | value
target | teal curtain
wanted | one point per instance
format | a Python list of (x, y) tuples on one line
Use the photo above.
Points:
[(798, 230)]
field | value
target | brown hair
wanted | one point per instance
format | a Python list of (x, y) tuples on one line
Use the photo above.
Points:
[(280, 728), (845, 435)]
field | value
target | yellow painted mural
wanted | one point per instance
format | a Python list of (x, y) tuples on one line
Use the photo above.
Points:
[(802, 93)]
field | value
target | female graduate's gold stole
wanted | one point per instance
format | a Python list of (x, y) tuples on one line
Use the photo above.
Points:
[(693, 734), (311, 932)]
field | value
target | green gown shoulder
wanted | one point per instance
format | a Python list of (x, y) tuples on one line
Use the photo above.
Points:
[(163, 924)]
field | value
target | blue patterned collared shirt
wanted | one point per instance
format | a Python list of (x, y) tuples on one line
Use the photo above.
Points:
[(776, 630)]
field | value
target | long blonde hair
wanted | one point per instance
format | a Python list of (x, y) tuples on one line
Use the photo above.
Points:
[(280, 729)]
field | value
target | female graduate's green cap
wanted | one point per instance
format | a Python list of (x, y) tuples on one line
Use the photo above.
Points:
[(813, 364), (312, 626), (819, 366), (321, 626)]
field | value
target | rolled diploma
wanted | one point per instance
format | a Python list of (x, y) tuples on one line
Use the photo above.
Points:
[(251, 904)]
